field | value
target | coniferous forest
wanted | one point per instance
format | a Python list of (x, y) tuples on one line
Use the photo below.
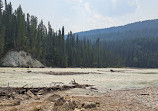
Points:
[(20, 31)]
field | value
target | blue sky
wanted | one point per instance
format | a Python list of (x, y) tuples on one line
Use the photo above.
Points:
[(79, 15)]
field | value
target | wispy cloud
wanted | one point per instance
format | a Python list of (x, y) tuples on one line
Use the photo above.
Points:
[(87, 7), (78, 15)]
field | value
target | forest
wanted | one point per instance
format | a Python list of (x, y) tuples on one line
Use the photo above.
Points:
[(20, 31), (141, 29)]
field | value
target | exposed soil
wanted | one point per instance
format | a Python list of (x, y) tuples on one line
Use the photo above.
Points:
[(20, 59), (77, 97), (122, 100)]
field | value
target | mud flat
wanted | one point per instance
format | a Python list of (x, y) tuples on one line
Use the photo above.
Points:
[(121, 89), (102, 78)]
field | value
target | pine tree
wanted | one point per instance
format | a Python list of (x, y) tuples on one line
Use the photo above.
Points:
[(64, 55), (21, 29), (2, 31), (8, 20)]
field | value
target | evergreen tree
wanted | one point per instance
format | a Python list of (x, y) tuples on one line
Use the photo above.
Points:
[(20, 29), (64, 55), (2, 42), (54, 50)]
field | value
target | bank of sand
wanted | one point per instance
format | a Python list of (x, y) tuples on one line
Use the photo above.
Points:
[(143, 99)]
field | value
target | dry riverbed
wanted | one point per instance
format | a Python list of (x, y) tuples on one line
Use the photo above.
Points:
[(120, 90), (84, 100)]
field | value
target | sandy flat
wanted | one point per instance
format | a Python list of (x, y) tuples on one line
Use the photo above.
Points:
[(127, 89), (102, 78)]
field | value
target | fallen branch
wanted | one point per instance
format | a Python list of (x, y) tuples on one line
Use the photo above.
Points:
[(38, 90), (25, 85)]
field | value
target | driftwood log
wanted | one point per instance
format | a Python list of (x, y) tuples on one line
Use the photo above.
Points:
[(7, 91)]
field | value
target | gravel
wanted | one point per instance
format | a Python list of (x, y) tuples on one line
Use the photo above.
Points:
[(20, 59)]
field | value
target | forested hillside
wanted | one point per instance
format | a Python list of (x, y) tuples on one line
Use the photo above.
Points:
[(138, 52), (136, 44), (133, 45), (20, 31), (142, 29)]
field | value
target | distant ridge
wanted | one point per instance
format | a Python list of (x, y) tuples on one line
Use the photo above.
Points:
[(148, 28)]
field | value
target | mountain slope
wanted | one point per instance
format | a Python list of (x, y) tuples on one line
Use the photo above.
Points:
[(143, 29)]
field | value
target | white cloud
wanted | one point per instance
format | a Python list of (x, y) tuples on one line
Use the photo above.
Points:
[(88, 17), (114, 3), (87, 7), (78, 15), (65, 20), (93, 14)]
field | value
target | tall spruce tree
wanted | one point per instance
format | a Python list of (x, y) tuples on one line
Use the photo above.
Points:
[(2, 31), (53, 49)]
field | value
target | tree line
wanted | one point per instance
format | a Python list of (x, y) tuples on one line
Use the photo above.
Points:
[(136, 52), (20, 31)]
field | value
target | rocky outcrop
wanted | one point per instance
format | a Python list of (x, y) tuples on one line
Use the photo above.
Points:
[(20, 59)]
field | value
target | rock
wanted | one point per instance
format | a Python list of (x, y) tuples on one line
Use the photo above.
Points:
[(60, 102), (20, 59), (69, 105), (89, 105), (112, 70), (53, 98), (64, 105), (29, 71)]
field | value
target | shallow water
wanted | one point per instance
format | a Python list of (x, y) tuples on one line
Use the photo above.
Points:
[(123, 79)]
